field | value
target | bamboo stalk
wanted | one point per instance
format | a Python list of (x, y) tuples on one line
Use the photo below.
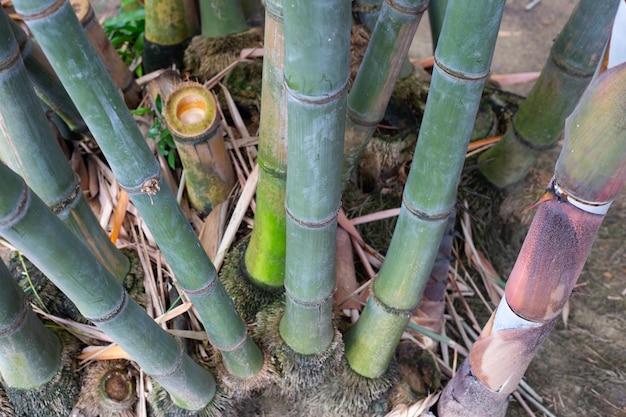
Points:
[(28, 146), (589, 174), (265, 254), (137, 171), (167, 33), (190, 112), (30, 353), (430, 192), (26, 222), (381, 65), (436, 13), (45, 82), (317, 37), (538, 124), (121, 75), (221, 18)]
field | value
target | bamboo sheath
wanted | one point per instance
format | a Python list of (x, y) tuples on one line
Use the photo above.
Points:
[(430, 193), (30, 354), (265, 254), (28, 224), (92, 90), (381, 65), (317, 38), (589, 174), (538, 124), (29, 147)]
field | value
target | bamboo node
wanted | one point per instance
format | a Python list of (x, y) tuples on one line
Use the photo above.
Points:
[(19, 209), (150, 186), (600, 208)]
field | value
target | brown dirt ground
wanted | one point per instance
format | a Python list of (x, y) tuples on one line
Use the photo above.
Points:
[(581, 369)]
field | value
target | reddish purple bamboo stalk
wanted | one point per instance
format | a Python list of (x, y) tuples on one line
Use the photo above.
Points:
[(589, 174)]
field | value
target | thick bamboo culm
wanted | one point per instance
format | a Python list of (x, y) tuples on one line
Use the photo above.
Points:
[(589, 174), (29, 147), (265, 254), (371, 89), (30, 354), (46, 83), (121, 75), (538, 124), (25, 222), (221, 18), (190, 112), (317, 40), (167, 33), (436, 13), (89, 85), (430, 193)]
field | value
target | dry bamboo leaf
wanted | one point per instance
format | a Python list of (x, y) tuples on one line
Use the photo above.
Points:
[(173, 313), (103, 353), (78, 166), (345, 273), (240, 210), (118, 215), (379, 215), (515, 78), (213, 228), (419, 409)]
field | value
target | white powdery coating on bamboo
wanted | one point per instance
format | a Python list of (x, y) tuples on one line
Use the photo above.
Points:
[(506, 318)]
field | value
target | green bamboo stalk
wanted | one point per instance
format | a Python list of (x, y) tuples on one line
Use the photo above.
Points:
[(367, 11), (589, 174), (538, 124), (265, 254), (166, 35), (381, 65), (28, 146), (462, 62), (221, 18), (137, 171), (436, 13), (121, 75), (190, 112), (46, 83), (26, 222), (30, 354), (317, 37)]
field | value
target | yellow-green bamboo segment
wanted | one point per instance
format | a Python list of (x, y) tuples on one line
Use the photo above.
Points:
[(265, 254), (122, 77), (86, 80), (381, 65), (190, 112), (167, 33), (29, 147), (462, 63), (317, 37), (538, 124)]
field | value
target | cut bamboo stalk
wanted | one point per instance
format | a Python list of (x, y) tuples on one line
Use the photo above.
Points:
[(589, 174), (430, 193), (317, 42), (122, 76), (538, 124), (167, 33), (25, 221), (381, 65), (192, 118), (92, 90), (29, 147)]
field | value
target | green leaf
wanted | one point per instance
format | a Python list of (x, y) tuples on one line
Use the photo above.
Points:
[(140, 111)]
